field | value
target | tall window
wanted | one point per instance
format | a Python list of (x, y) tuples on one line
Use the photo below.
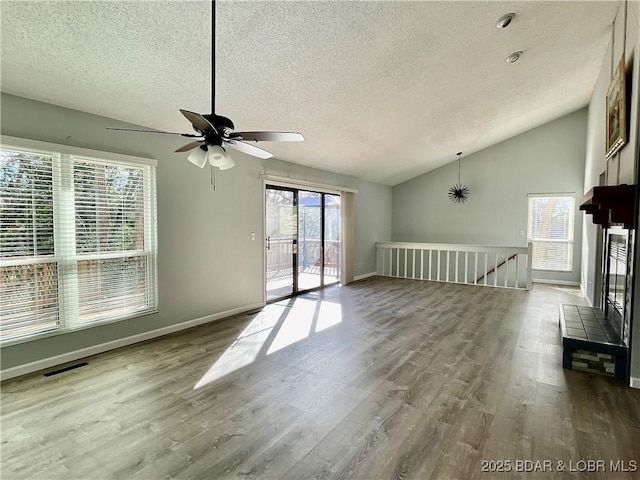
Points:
[(77, 238), (550, 230)]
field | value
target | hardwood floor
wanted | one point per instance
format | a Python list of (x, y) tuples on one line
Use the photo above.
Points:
[(384, 378)]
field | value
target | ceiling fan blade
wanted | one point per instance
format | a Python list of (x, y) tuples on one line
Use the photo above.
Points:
[(188, 146), (268, 136), (198, 121), (191, 135), (248, 149)]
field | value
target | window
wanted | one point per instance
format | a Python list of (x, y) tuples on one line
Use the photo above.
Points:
[(550, 230), (77, 238)]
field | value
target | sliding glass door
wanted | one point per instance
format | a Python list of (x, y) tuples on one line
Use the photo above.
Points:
[(281, 242), (310, 240), (331, 238), (303, 240)]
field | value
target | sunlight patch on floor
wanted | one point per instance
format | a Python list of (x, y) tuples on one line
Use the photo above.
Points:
[(244, 350), (330, 314), (276, 327), (576, 291), (296, 325)]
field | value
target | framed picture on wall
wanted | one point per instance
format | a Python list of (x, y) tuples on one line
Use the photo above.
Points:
[(616, 116)]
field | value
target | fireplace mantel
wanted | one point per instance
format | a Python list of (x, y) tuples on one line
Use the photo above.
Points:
[(611, 205)]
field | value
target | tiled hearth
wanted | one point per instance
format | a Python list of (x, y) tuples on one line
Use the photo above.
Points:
[(591, 343)]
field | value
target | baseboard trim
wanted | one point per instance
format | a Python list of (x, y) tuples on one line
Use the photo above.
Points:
[(567, 283), (364, 275), (634, 382), (121, 342)]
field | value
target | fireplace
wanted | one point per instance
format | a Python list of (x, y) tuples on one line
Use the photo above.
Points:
[(596, 339), (617, 279)]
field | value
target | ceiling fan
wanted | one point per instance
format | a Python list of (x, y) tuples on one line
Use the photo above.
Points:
[(214, 133)]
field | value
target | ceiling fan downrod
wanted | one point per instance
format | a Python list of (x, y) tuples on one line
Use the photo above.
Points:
[(213, 57)]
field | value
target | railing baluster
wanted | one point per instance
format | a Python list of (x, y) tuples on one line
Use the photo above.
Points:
[(518, 271), (466, 265), (506, 265), (529, 266), (406, 254), (448, 255), (457, 268), (388, 250), (430, 264), (486, 267), (391, 262), (413, 264), (398, 262), (421, 264), (438, 272), (475, 275)]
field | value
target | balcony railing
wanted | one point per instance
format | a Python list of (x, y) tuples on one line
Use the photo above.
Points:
[(507, 267), (280, 255)]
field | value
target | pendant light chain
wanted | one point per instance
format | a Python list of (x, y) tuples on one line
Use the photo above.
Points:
[(212, 177)]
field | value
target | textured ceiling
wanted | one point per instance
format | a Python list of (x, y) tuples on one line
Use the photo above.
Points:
[(381, 90)]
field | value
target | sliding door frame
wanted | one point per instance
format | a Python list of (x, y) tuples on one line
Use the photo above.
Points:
[(296, 189)]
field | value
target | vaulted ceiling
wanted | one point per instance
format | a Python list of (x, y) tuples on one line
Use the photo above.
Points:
[(381, 90)]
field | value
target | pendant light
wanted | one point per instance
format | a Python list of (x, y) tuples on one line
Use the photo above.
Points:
[(459, 193)]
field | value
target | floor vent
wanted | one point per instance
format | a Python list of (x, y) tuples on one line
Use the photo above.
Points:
[(66, 369)]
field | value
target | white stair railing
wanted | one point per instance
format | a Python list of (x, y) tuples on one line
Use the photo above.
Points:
[(507, 267)]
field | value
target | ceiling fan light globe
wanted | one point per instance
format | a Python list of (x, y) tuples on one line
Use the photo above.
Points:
[(216, 155), (198, 157), (226, 163)]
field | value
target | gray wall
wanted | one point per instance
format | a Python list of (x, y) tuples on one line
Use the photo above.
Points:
[(207, 263), (547, 159), (622, 167)]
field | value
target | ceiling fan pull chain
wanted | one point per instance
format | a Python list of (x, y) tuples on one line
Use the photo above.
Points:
[(212, 177)]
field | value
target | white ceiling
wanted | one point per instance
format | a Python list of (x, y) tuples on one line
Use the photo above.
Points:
[(381, 90)]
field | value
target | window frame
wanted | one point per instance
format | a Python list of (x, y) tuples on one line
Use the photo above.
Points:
[(570, 241), (65, 153)]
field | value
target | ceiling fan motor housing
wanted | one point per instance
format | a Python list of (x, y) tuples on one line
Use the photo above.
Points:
[(220, 121)]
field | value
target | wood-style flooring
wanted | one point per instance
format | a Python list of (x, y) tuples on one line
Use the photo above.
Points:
[(384, 378)]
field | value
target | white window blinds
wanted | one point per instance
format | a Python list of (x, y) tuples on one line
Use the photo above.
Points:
[(550, 229), (28, 268), (77, 241)]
